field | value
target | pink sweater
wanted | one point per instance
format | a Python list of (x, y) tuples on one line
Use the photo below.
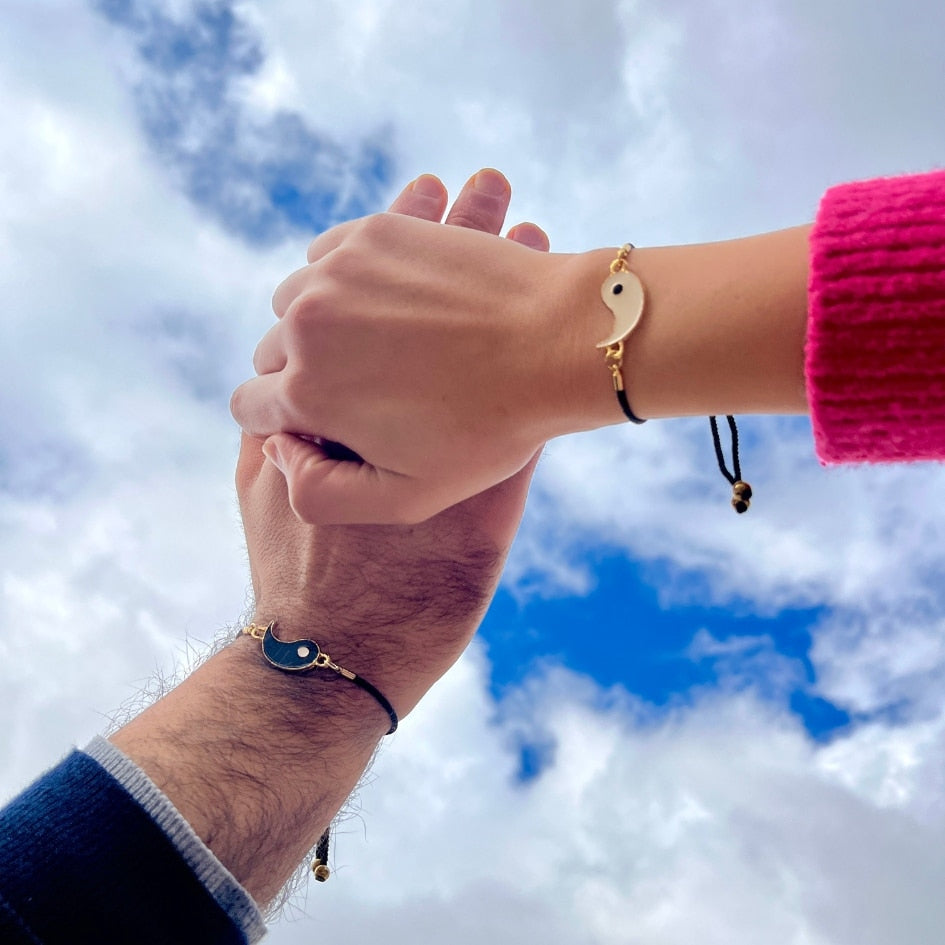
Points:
[(876, 332)]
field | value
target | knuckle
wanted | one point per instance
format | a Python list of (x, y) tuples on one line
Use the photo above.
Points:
[(302, 505), (258, 359), (325, 241), (379, 225), (236, 404), (474, 218), (294, 392), (340, 266), (305, 311)]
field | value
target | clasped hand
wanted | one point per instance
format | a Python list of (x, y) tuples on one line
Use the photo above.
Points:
[(427, 350)]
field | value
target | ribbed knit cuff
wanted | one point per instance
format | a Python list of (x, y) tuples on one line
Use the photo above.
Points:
[(218, 880), (82, 863), (876, 335)]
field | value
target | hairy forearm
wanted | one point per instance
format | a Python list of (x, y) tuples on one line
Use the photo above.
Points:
[(257, 761)]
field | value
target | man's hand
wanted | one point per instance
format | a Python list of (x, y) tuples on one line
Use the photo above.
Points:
[(260, 761), (395, 604), (429, 351)]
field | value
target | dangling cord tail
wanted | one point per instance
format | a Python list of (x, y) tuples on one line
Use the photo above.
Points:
[(300, 656), (741, 491), (320, 864)]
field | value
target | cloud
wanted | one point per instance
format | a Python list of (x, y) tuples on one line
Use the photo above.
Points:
[(720, 817), (881, 660), (263, 174), (128, 319)]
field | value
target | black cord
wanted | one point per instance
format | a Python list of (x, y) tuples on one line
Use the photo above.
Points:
[(320, 863), (625, 406), (741, 491), (720, 456)]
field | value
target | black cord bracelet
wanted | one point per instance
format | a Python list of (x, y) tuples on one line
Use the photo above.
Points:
[(622, 292), (300, 656)]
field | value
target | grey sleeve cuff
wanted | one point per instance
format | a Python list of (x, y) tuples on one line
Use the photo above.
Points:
[(218, 880)]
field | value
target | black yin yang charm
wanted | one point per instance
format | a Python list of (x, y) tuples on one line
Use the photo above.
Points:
[(294, 657)]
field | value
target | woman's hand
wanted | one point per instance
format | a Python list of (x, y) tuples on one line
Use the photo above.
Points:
[(438, 354)]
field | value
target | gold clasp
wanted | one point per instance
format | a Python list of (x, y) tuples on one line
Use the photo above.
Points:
[(257, 633), (620, 263), (613, 358), (324, 661)]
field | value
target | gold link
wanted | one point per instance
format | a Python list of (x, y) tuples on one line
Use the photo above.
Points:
[(620, 263), (257, 633), (324, 661), (613, 358)]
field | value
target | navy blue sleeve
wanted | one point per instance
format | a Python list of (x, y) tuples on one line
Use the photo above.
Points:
[(82, 863)]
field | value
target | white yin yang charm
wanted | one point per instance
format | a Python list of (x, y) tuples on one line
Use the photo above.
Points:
[(622, 293)]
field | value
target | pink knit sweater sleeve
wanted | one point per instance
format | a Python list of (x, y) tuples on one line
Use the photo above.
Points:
[(875, 355)]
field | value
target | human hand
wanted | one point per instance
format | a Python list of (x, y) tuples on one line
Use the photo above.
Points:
[(396, 604), (439, 355), (258, 761)]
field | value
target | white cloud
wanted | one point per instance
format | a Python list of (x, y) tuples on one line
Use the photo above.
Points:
[(720, 823), (879, 659)]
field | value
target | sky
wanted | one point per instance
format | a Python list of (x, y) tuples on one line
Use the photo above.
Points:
[(677, 724)]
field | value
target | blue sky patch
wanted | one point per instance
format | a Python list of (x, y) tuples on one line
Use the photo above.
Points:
[(621, 634), (263, 176)]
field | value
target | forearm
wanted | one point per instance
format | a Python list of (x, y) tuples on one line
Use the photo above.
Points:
[(257, 761), (722, 330), (726, 328)]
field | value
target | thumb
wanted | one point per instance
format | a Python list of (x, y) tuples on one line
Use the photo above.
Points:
[(328, 488)]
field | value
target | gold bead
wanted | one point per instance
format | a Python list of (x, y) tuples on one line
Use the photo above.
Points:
[(741, 496), (320, 871)]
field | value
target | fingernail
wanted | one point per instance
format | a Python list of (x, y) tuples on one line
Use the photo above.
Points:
[(427, 186), (491, 182), (272, 453)]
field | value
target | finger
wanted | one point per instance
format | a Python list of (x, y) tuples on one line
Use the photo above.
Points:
[(530, 235), (482, 203), (325, 242), (289, 290), (270, 354), (327, 491), (424, 198), (255, 406)]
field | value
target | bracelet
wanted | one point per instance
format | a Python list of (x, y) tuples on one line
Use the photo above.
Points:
[(622, 292), (300, 656)]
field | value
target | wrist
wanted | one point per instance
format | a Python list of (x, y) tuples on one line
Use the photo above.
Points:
[(582, 387), (301, 655), (402, 658), (256, 763), (722, 331), (723, 327)]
